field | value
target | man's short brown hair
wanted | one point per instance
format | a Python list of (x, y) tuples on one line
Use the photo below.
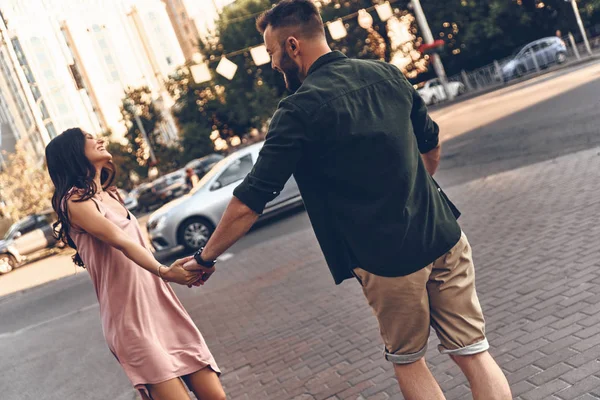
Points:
[(301, 14)]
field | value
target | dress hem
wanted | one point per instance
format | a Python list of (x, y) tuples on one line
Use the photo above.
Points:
[(142, 386)]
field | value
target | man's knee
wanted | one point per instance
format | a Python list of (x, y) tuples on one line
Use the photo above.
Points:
[(470, 359)]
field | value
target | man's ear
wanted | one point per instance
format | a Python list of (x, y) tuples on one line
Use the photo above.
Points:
[(292, 43)]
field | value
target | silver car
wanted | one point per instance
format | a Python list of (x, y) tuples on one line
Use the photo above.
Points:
[(190, 220), (546, 51)]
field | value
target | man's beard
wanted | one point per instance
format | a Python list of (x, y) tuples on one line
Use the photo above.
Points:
[(291, 73)]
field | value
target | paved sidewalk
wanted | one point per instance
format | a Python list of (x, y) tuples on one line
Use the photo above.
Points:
[(280, 329)]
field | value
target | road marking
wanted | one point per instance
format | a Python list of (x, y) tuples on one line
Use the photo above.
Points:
[(225, 257), (48, 321)]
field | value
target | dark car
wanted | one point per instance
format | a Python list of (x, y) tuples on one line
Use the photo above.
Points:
[(147, 197), (201, 166), (27, 238), (171, 186)]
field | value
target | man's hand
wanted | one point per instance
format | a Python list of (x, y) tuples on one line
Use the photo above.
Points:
[(204, 272), (176, 273), (236, 221)]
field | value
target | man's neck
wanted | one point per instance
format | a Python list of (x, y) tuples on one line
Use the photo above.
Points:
[(314, 55)]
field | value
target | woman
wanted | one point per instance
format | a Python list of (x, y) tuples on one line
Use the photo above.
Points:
[(145, 325)]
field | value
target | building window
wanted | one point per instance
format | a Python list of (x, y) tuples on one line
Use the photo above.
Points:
[(44, 110), (51, 130), (106, 53), (36, 92)]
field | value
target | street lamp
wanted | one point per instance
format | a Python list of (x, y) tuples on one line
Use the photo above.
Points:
[(134, 110), (428, 36), (581, 27)]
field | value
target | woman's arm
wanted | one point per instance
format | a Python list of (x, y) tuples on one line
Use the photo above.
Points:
[(85, 215)]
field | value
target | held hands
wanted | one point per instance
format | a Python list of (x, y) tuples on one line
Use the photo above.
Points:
[(204, 272), (178, 274)]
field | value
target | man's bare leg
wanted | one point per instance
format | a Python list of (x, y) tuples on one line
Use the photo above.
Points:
[(485, 376), (416, 381)]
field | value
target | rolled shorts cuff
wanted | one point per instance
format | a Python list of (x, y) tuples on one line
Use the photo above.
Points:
[(469, 350), (405, 358)]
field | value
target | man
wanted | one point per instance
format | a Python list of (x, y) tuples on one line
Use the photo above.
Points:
[(351, 134)]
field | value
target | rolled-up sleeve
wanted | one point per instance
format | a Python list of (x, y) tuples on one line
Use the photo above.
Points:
[(425, 129), (283, 148)]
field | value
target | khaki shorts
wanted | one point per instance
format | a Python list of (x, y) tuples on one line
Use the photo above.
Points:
[(441, 295)]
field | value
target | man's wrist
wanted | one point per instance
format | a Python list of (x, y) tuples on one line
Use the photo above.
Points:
[(202, 259)]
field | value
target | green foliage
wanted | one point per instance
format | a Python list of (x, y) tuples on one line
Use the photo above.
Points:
[(25, 185), (476, 32), (132, 156)]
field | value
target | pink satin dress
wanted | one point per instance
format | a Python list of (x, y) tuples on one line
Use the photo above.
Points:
[(144, 323)]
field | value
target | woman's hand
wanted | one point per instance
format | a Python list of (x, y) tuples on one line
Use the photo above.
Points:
[(176, 273)]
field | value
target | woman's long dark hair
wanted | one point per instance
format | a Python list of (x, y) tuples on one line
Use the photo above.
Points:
[(69, 169)]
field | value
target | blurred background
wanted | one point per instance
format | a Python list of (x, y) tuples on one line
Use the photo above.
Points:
[(176, 85)]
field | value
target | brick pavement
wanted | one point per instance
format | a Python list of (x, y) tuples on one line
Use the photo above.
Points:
[(280, 329)]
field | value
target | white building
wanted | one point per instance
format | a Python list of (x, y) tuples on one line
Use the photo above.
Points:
[(184, 26), (84, 55), (44, 58), (21, 104), (204, 13)]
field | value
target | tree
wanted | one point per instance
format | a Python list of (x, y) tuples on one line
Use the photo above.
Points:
[(234, 108), (479, 32), (134, 155), (25, 184), (126, 163)]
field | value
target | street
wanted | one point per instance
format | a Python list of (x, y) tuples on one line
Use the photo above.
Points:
[(280, 329)]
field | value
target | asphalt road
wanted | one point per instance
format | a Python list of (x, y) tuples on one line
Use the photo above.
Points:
[(50, 336)]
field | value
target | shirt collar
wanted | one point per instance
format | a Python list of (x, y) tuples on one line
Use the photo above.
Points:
[(326, 59)]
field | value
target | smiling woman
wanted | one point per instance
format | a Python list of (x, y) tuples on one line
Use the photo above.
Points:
[(130, 283)]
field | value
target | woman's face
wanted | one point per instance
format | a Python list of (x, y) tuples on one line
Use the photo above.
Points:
[(95, 151)]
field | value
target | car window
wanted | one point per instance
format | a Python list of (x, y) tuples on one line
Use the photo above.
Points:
[(24, 226), (214, 158), (236, 171), (41, 221), (524, 50), (543, 45)]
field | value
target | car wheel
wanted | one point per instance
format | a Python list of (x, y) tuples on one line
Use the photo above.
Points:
[(434, 100), (461, 90), (561, 57), (7, 263), (194, 233), (520, 71)]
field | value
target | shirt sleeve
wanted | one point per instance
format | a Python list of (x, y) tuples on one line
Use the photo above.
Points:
[(277, 160), (426, 131)]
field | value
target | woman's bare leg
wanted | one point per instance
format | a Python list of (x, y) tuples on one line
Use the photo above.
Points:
[(205, 384), (173, 389)]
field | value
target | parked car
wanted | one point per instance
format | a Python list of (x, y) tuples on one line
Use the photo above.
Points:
[(171, 186), (147, 197), (546, 51), (191, 220), (433, 91), (201, 166), (26, 238), (131, 200)]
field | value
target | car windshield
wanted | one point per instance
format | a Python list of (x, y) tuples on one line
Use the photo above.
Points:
[(520, 52), (17, 226), (213, 171), (174, 177)]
